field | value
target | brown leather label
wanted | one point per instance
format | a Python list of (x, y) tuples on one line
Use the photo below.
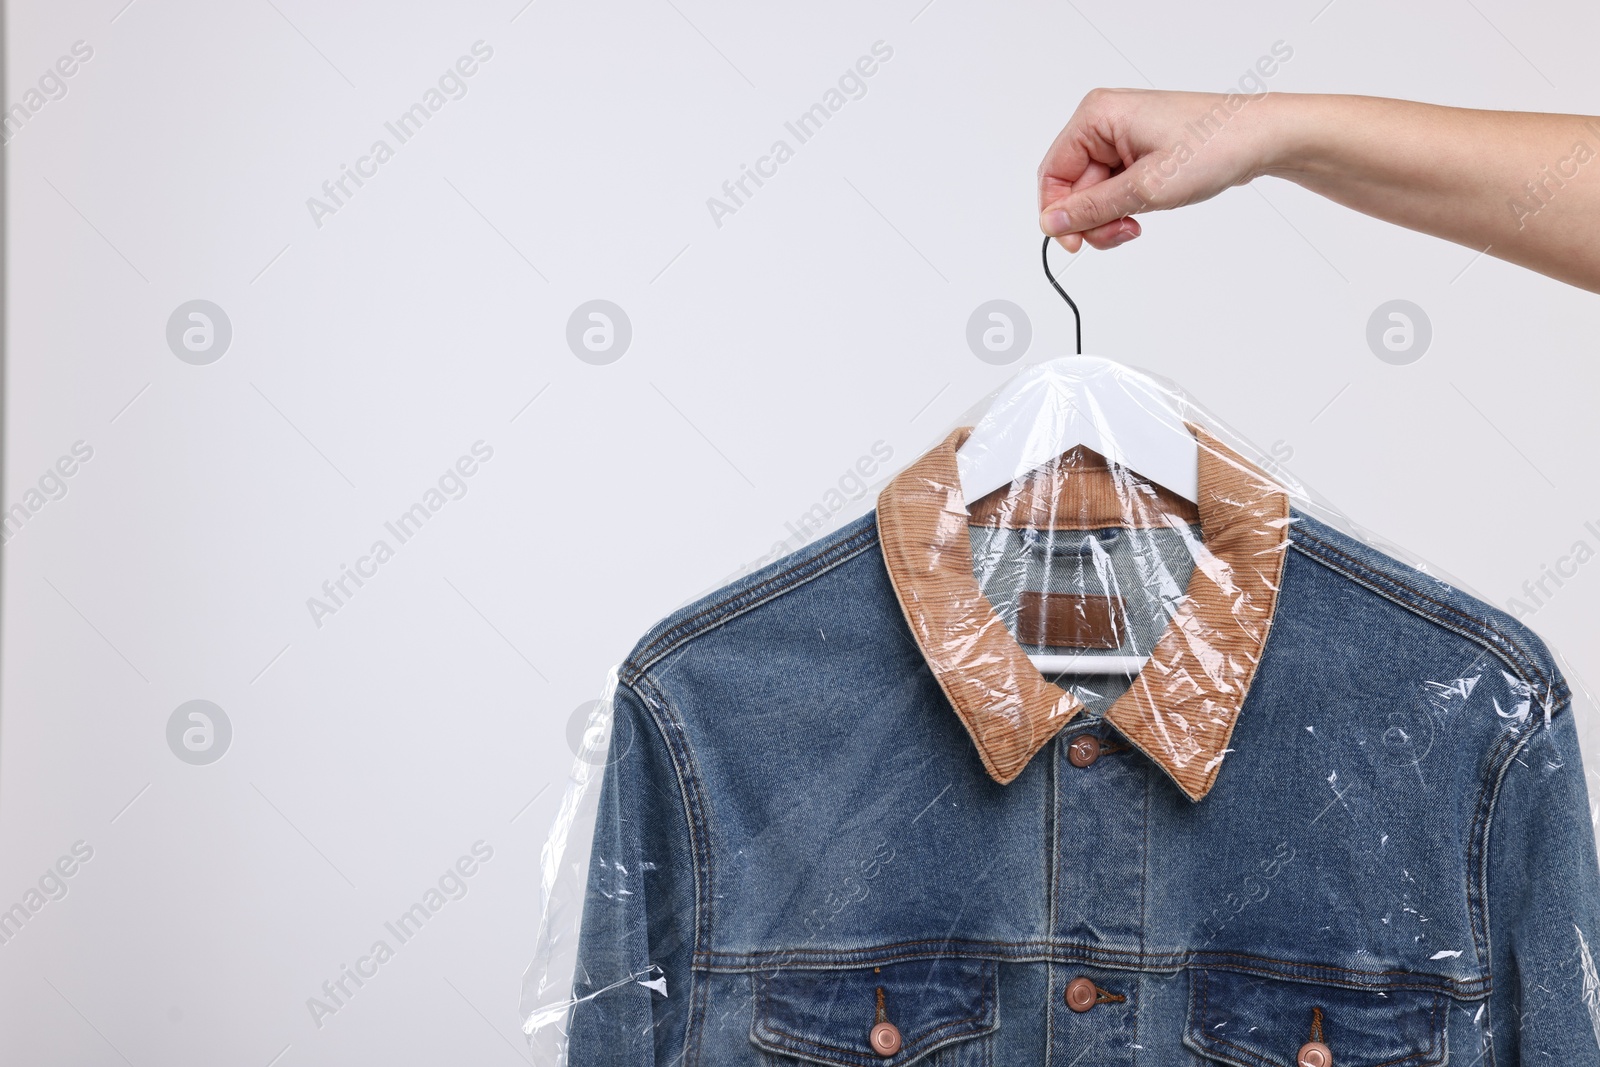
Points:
[(1070, 620)]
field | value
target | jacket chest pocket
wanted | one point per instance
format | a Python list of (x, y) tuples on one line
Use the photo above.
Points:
[(1248, 1021), (936, 1013)]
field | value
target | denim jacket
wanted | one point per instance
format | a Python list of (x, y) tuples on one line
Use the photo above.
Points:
[(1339, 820)]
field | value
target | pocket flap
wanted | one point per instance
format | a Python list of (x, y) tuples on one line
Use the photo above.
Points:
[(827, 1016), (1251, 1021)]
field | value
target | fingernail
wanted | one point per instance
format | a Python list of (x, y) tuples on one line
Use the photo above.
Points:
[(1123, 238), (1055, 222)]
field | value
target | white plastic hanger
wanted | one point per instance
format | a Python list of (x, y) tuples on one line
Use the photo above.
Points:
[(1049, 408)]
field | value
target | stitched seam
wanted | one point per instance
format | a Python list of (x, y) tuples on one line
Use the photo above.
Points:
[(1190, 1027), (1179, 956), (755, 1010), (1136, 1015), (693, 1021), (1465, 989), (731, 607), (698, 813), (994, 994), (1465, 628), (693, 799), (1378, 576), (1144, 908), (1053, 821), (1483, 826), (821, 562), (1498, 766)]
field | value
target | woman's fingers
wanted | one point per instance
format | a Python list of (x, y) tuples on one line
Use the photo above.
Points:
[(1128, 151)]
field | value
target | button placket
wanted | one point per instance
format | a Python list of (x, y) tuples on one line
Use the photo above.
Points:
[(1099, 831)]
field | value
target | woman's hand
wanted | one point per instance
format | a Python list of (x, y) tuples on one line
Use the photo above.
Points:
[(1127, 151), (1522, 186)]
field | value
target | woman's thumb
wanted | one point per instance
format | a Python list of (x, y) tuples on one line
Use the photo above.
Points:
[(1097, 205)]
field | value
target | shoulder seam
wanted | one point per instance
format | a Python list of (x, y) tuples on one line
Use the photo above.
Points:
[(746, 600), (1487, 635)]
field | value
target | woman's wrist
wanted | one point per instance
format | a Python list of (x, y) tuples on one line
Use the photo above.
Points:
[(1290, 135)]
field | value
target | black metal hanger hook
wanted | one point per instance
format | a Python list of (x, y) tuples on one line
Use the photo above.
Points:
[(1077, 319)]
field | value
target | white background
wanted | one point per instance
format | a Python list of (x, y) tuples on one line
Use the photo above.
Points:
[(433, 709)]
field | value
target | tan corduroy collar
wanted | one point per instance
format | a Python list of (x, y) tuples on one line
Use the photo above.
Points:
[(1181, 709)]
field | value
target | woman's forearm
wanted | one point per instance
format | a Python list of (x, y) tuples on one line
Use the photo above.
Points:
[(1523, 186)]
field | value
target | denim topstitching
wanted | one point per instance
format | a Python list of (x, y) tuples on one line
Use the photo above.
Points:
[(762, 592), (1478, 902), (1067, 952), (694, 801), (1487, 638)]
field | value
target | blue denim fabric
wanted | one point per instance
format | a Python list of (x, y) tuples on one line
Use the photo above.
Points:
[(1397, 851)]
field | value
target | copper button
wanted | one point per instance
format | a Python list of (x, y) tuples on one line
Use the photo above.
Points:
[(1081, 994), (1084, 750), (885, 1039), (1314, 1054)]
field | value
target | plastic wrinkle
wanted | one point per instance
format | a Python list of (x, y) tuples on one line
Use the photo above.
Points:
[(1591, 982), (554, 1014)]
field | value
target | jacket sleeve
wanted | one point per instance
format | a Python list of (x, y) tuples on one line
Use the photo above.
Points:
[(631, 990), (1544, 906)]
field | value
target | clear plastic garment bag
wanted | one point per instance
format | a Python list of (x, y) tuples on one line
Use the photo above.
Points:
[(1097, 732)]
